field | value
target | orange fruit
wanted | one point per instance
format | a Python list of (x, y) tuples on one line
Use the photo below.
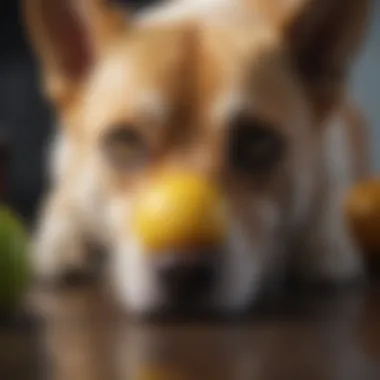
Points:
[(363, 214)]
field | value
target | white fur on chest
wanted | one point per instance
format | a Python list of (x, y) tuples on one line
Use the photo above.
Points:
[(331, 162), (59, 154), (338, 153), (330, 251), (83, 185)]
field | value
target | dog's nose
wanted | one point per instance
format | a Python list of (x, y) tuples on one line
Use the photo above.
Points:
[(186, 281)]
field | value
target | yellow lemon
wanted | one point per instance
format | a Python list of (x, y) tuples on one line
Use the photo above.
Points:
[(180, 211)]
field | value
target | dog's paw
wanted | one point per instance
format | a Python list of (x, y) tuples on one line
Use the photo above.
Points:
[(239, 286), (58, 259), (243, 271), (333, 263)]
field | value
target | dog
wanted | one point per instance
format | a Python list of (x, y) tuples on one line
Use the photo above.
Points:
[(252, 95)]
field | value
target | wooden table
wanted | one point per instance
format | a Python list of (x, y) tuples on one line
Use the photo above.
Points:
[(308, 336)]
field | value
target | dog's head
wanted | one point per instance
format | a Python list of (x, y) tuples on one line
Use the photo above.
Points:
[(230, 95)]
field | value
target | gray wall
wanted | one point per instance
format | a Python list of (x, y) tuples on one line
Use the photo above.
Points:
[(366, 83)]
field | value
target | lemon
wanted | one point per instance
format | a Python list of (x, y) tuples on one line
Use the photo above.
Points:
[(180, 211)]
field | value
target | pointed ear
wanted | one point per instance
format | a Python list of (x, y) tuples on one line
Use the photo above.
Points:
[(325, 35), (68, 36)]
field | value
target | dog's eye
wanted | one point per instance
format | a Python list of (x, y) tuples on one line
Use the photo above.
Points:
[(254, 146), (124, 147)]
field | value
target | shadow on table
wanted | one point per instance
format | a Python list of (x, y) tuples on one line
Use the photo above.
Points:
[(327, 336)]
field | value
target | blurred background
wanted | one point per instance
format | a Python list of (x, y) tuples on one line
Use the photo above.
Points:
[(28, 120)]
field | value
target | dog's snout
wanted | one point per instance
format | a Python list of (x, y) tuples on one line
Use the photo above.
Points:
[(184, 281)]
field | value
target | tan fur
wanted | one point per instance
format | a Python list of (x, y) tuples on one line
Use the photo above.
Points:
[(84, 36), (178, 83)]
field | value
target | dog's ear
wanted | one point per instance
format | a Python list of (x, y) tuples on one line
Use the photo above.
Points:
[(324, 35), (323, 38), (68, 36)]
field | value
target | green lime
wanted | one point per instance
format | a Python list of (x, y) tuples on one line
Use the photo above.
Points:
[(14, 259)]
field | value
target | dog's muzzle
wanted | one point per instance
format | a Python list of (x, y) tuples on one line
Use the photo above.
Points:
[(180, 220)]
